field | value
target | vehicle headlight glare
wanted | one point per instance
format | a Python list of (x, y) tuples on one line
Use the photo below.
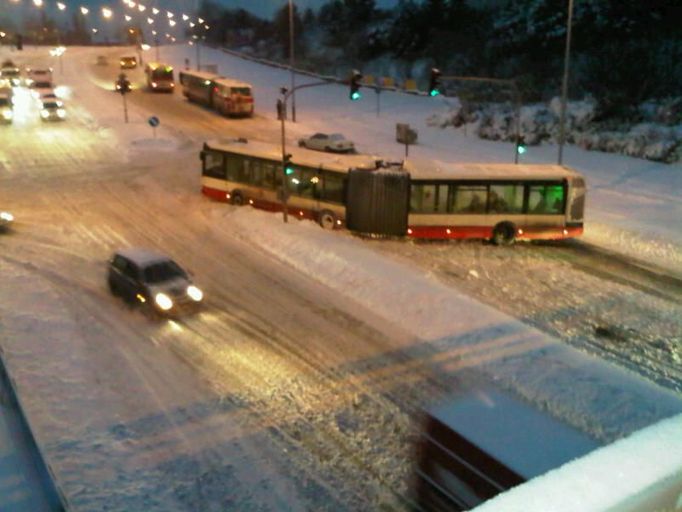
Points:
[(44, 113), (61, 113), (7, 114), (195, 293), (153, 84), (163, 301), (8, 217)]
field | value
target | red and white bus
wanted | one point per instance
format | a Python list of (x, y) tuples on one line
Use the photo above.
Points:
[(250, 172), (499, 202), (232, 97), (159, 77), (227, 96)]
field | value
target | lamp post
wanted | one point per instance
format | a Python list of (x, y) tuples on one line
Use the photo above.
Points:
[(564, 84), (291, 61)]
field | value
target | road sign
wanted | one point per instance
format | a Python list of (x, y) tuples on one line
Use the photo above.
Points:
[(153, 121)]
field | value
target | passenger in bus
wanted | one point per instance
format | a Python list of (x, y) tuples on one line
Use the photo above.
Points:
[(476, 205), (496, 203)]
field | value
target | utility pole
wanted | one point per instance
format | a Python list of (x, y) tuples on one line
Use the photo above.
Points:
[(564, 84), (291, 60)]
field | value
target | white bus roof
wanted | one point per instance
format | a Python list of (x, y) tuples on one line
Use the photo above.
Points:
[(155, 65), (300, 156), (423, 169), (200, 74), (230, 82)]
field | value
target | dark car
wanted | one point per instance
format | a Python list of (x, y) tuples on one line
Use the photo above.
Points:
[(144, 276)]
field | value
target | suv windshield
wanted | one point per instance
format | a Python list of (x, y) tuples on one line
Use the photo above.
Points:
[(162, 271), (51, 104), (42, 85)]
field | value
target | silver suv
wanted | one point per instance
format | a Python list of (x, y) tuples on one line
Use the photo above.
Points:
[(147, 277)]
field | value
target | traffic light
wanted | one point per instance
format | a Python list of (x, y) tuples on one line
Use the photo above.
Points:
[(355, 78), (287, 165), (521, 145), (434, 82)]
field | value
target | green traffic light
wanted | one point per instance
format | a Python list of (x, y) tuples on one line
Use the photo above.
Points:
[(289, 170), (355, 95), (521, 150), (434, 92)]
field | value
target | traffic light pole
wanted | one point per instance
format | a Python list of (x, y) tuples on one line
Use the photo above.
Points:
[(517, 102), (286, 94)]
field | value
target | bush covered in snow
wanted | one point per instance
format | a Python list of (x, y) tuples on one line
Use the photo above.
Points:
[(649, 139)]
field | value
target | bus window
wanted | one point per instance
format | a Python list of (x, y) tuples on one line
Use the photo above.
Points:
[(505, 199), (333, 190), (442, 200), (214, 165), (268, 170), (234, 164), (241, 91), (256, 173), (546, 199), (470, 199), (423, 198), (302, 182)]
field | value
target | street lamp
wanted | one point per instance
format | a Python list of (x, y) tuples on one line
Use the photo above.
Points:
[(564, 84)]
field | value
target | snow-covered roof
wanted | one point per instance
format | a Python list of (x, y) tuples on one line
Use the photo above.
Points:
[(521, 437), (204, 75), (142, 256), (231, 82), (425, 169), (300, 156)]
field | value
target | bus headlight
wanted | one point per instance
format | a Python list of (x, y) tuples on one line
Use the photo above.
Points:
[(61, 113), (154, 84), (7, 114), (163, 301), (195, 293)]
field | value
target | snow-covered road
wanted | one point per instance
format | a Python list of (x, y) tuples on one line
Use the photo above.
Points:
[(297, 386)]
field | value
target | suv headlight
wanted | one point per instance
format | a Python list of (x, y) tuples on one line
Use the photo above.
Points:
[(61, 113), (44, 113), (195, 293), (7, 114), (163, 301)]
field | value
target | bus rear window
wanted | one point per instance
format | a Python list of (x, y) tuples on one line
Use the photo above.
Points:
[(241, 91)]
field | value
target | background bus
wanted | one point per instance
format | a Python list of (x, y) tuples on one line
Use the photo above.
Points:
[(500, 202), (197, 86), (244, 172), (227, 96), (159, 77), (232, 97)]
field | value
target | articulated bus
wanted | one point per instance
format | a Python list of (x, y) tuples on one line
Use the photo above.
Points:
[(159, 77), (248, 172), (498, 202), (227, 96)]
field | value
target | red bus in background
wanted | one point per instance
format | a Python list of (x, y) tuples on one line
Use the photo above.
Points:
[(232, 97), (159, 77)]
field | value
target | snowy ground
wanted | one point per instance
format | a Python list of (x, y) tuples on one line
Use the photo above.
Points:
[(296, 387)]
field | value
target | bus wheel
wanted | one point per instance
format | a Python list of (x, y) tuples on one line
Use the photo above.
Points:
[(237, 198), (327, 219), (504, 234)]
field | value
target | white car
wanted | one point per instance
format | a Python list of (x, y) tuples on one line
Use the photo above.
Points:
[(12, 74), (51, 110), (38, 75), (6, 110), (334, 142), (6, 220), (40, 88), (49, 96)]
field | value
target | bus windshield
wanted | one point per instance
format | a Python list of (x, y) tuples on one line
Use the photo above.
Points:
[(163, 73), (241, 91)]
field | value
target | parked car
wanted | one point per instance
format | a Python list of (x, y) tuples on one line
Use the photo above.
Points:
[(49, 96), (102, 60), (51, 110), (154, 279), (334, 142), (6, 220), (128, 62), (6, 110)]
